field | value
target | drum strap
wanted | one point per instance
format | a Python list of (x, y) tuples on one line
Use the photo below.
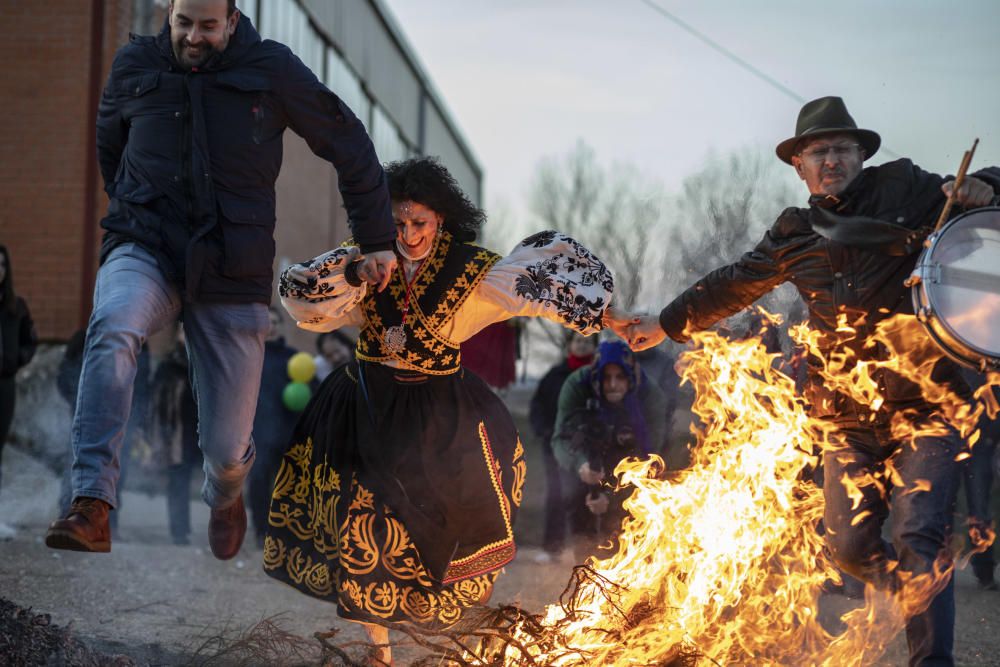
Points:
[(887, 238)]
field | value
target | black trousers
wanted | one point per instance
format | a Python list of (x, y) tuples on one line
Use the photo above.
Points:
[(8, 396), (554, 535), (179, 499), (260, 484)]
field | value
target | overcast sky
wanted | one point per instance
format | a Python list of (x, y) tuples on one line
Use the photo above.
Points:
[(524, 79)]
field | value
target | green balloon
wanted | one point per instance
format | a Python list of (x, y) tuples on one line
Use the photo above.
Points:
[(296, 395)]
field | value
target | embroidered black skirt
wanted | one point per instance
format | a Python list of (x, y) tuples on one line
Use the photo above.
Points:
[(397, 496)]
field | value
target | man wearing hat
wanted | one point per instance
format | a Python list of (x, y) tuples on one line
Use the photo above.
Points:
[(848, 253)]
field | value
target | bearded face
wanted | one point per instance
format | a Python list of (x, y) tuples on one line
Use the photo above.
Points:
[(200, 28)]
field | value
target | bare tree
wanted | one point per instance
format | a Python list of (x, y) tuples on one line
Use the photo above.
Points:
[(721, 213), (612, 210), (502, 229), (657, 246)]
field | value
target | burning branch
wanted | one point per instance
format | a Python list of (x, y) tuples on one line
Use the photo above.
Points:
[(722, 562)]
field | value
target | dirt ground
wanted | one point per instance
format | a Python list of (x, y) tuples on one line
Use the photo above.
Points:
[(161, 604)]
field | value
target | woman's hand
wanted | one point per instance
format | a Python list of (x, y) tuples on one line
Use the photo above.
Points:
[(590, 476), (376, 268), (645, 333), (618, 321), (598, 503)]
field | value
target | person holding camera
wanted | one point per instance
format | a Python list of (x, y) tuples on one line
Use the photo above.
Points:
[(608, 411), (580, 352)]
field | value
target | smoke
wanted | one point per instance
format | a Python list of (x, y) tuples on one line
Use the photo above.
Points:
[(42, 418)]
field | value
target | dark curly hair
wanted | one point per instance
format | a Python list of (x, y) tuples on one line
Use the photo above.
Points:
[(425, 180)]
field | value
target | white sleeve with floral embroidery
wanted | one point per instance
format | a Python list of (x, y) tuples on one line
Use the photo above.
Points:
[(318, 296), (546, 275)]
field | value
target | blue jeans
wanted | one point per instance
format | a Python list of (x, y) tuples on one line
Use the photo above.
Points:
[(921, 524), (225, 344), (978, 489)]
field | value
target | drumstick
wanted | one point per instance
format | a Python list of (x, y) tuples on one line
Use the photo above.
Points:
[(959, 179)]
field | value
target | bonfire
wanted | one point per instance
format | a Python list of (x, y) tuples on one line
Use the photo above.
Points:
[(722, 563)]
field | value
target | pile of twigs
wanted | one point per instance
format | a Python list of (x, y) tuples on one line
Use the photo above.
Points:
[(265, 643), (28, 639), (507, 636)]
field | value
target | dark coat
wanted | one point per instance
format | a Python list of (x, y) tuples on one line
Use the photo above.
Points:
[(273, 423), (190, 158), (173, 428), (580, 415), (831, 278), (18, 339), (545, 402)]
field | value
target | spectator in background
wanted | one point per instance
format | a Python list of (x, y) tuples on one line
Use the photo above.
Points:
[(272, 425), (542, 414), (491, 353), (68, 374), (333, 349), (658, 365), (17, 346), (608, 411), (173, 435)]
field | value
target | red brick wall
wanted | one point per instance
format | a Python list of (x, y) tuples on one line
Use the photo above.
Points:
[(45, 149)]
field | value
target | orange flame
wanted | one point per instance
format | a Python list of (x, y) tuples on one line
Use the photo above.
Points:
[(723, 558)]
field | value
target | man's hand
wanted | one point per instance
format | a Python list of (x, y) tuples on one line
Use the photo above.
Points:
[(598, 503), (619, 321), (645, 333), (376, 268), (972, 194), (590, 476)]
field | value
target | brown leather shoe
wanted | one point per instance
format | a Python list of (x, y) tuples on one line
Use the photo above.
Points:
[(226, 529), (85, 527)]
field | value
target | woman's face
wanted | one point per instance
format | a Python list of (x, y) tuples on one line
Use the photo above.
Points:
[(335, 352), (274, 317), (416, 227), (582, 346)]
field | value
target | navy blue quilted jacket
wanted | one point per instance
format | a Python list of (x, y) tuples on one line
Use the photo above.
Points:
[(190, 158)]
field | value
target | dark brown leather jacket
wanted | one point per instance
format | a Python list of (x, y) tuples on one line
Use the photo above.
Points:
[(832, 278)]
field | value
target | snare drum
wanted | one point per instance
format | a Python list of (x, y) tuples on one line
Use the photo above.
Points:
[(956, 288)]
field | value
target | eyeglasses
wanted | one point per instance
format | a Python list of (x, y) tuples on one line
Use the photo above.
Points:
[(818, 153)]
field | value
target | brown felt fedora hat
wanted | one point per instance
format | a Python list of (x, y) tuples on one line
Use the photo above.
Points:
[(827, 115)]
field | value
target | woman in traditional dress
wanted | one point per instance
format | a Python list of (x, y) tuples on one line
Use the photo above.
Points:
[(397, 497)]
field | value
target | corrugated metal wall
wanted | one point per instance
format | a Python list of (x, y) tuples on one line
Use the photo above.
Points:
[(369, 42)]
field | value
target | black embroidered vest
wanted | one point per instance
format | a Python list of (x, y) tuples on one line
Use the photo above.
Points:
[(444, 281)]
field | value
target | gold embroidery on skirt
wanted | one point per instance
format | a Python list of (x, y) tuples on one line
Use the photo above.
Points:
[(289, 507), (274, 553), (314, 576), (305, 503), (520, 471), (358, 553), (397, 554), (382, 598), (418, 605), (495, 554)]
